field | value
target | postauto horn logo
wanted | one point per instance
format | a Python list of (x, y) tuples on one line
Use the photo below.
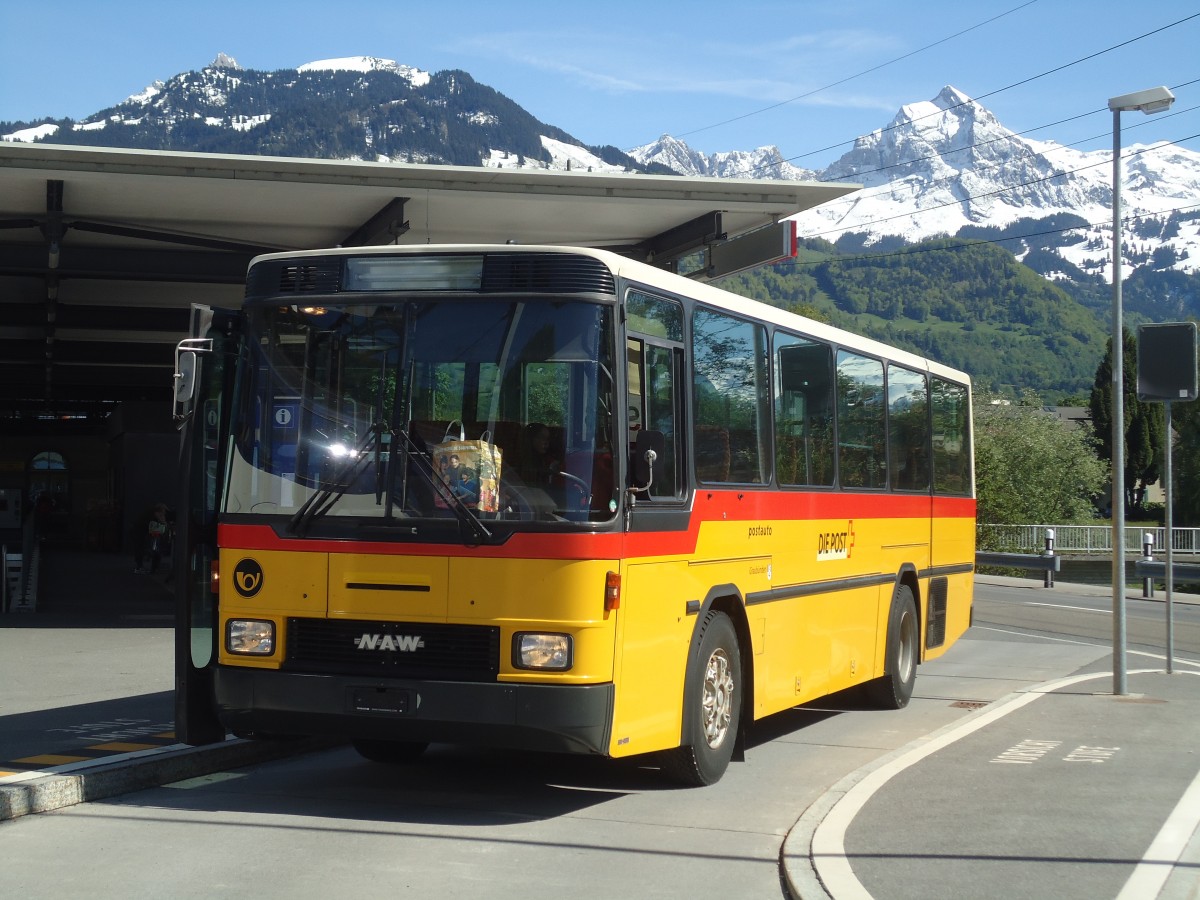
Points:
[(247, 577)]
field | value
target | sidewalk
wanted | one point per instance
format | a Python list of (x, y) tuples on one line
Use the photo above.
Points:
[(87, 689), (1060, 789)]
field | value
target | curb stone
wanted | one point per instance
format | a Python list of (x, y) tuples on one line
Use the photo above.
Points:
[(45, 791)]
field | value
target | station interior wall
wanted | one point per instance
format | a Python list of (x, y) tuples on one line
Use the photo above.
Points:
[(112, 474)]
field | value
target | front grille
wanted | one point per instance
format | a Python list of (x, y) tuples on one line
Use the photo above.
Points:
[(393, 649)]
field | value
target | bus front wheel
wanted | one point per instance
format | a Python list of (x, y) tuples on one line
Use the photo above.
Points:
[(712, 711), (895, 688)]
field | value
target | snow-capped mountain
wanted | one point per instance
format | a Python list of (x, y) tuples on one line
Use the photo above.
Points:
[(356, 107), (947, 164), (765, 162)]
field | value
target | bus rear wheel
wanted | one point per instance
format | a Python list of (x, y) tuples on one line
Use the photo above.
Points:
[(895, 688), (391, 752), (713, 707)]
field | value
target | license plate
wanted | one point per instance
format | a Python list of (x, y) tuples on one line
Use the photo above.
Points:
[(386, 701)]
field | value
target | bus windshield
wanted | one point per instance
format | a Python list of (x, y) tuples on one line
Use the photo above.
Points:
[(421, 409)]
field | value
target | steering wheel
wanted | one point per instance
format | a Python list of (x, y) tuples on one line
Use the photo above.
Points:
[(583, 489)]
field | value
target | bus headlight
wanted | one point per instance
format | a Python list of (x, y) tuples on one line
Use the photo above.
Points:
[(532, 650), (255, 637)]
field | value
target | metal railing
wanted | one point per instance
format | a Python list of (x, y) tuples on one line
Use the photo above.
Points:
[(19, 570), (1084, 539)]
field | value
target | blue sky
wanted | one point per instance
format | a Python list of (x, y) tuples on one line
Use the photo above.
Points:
[(721, 75)]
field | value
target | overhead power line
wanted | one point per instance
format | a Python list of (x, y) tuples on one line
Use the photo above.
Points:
[(875, 68)]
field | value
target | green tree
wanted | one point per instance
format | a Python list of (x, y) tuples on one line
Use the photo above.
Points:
[(1145, 427), (1032, 467), (1185, 473)]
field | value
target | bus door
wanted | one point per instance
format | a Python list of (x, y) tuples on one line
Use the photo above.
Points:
[(204, 368), (653, 590)]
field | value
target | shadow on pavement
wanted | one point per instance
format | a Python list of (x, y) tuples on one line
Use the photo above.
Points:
[(91, 589)]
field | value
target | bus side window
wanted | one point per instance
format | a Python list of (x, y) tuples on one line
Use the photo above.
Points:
[(653, 378), (862, 451), (731, 398), (908, 429), (803, 411)]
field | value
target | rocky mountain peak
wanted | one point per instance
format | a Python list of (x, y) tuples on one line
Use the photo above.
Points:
[(224, 61), (763, 162)]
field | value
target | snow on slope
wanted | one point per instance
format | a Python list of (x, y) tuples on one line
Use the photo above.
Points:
[(415, 77), (563, 157)]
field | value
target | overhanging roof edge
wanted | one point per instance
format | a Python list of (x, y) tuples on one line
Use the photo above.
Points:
[(788, 197)]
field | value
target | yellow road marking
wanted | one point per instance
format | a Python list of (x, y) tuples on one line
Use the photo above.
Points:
[(51, 759), (122, 747)]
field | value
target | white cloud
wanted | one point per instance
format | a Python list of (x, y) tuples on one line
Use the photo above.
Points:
[(775, 71)]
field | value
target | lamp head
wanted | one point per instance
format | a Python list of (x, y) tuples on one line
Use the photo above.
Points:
[(1148, 101)]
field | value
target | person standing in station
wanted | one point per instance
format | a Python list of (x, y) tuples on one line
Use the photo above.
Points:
[(151, 536)]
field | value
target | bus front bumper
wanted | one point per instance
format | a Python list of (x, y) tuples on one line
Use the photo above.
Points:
[(560, 718)]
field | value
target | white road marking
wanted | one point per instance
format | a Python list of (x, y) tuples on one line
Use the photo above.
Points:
[(1159, 860), (1107, 612)]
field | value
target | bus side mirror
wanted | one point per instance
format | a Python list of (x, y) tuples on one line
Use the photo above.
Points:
[(648, 457), (185, 375)]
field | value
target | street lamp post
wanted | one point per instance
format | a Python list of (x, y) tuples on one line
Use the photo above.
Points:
[(1148, 101)]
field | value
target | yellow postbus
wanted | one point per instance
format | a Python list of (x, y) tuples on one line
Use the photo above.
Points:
[(555, 499)]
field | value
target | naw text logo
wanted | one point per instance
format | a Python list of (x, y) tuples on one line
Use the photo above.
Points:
[(402, 643)]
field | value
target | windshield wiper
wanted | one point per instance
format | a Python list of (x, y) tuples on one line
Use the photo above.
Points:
[(465, 515), (323, 499)]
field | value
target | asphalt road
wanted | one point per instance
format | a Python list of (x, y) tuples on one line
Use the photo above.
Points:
[(1084, 613)]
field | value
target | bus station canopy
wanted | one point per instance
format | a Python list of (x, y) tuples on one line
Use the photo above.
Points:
[(102, 251)]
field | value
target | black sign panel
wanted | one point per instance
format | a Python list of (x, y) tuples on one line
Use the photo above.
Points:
[(1166, 369)]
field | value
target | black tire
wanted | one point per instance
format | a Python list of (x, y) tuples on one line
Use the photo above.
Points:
[(895, 688), (712, 707), (391, 752)]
